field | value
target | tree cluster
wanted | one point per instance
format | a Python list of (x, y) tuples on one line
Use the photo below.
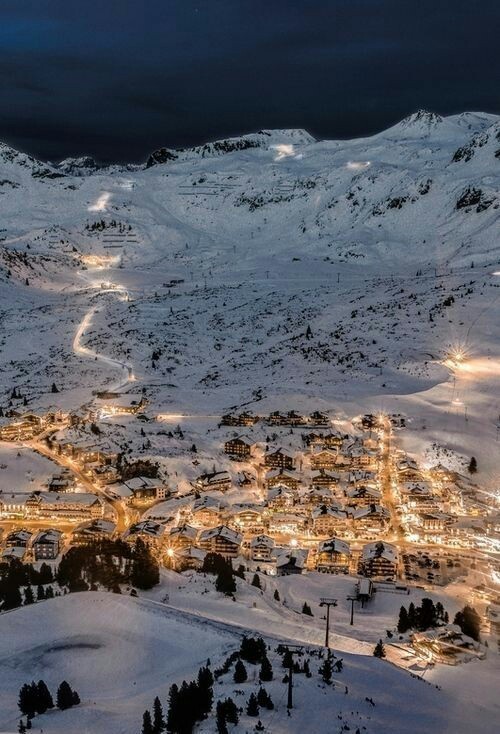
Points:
[(422, 618), (216, 564), (108, 563), (17, 575), (35, 698)]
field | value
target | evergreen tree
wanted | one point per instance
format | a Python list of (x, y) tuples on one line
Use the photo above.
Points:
[(426, 615), (472, 468), (27, 701), (266, 670), (158, 719), (469, 622), (240, 672), (252, 706), (220, 718), (28, 595), (379, 650), (44, 698), (64, 697), (256, 581), (264, 699), (277, 595), (75, 698), (54, 388), (326, 669), (252, 649), (306, 669), (306, 609), (206, 697), (40, 593), (145, 570), (173, 709), (147, 725), (412, 616), (403, 622), (225, 582), (49, 592), (11, 597), (231, 711)]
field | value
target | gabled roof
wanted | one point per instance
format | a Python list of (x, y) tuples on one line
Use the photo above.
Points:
[(221, 531), (334, 545), (380, 550), (262, 540)]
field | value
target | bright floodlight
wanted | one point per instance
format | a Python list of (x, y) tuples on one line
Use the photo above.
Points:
[(170, 552), (294, 542)]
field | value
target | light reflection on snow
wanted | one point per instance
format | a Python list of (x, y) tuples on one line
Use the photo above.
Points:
[(101, 204), (357, 165), (284, 150)]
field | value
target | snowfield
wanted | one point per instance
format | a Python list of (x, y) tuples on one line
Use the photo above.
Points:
[(120, 652), (262, 273)]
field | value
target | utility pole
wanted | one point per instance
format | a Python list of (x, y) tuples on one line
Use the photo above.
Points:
[(327, 602), (352, 599), (290, 649)]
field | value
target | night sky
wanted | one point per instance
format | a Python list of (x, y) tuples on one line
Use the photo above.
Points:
[(119, 78)]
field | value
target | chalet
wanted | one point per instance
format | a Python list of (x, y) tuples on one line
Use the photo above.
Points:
[(370, 519), (217, 480), (286, 524), (334, 556), (362, 496), (319, 419), (189, 558), (63, 482), (279, 459), (419, 496), (238, 448), (13, 504), (146, 489), (182, 536), (221, 540), (435, 521), (123, 405), (276, 418), (361, 478), (379, 561), (362, 458), (205, 512), (243, 419), (23, 427), (70, 506), (291, 562), (14, 553), (248, 518), (18, 539), (150, 532), (93, 531), (279, 498), (47, 545), (325, 459), (278, 476), (317, 496), (327, 520), (261, 548), (408, 470), (324, 479)]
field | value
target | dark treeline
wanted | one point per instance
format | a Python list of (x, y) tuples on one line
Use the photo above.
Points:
[(422, 618), (16, 576), (108, 563)]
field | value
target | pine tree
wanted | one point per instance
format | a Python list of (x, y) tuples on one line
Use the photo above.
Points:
[(225, 582), (221, 718), (252, 706), (379, 650), (264, 699), (403, 622), (231, 711), (64, 698), (54, 388), (28, 596), (158, 719), (277, 595), (11, 597), (147, 725), (266, 670), (252, 649), (49, 592), (469, 622), (206, 697), (412, 616), (173, 709), (326, 669), (75, 698), (306, 609), (240, 672), (27, 699), (472, 468), (256, 581), (40, 593), (44, 698)]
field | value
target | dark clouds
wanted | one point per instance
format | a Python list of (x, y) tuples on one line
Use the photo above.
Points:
[(117, 78)]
